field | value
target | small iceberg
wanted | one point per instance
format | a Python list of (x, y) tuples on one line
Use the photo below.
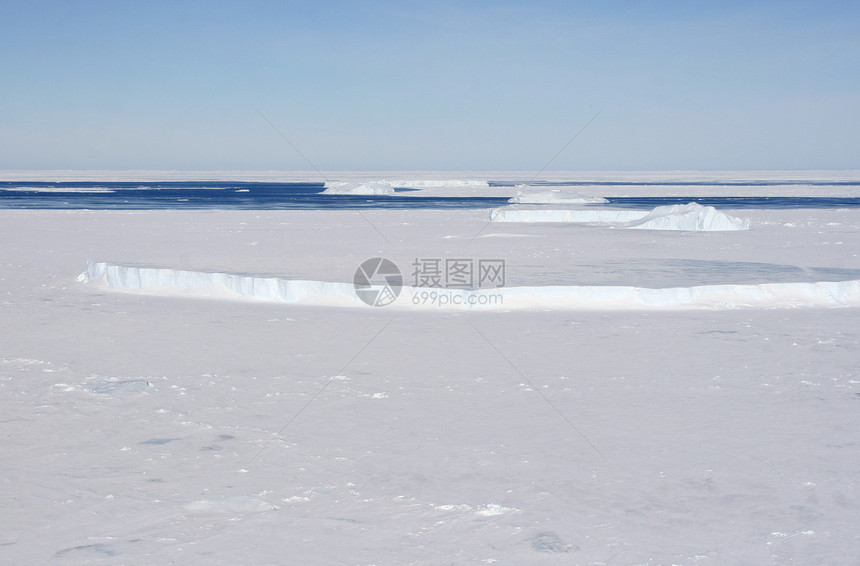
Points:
[(370, 188), (692, 217)]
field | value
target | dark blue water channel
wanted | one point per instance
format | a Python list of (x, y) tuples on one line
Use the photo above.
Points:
[(105, 195)]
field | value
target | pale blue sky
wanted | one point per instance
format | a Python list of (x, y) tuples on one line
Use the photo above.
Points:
[(430, 85)]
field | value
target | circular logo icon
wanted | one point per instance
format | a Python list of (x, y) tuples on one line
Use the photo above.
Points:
[(377, 282)]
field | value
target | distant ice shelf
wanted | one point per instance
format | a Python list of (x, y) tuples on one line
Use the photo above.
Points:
[(173, 282)]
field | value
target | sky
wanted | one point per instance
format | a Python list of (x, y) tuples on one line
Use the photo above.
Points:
[(379, 85)]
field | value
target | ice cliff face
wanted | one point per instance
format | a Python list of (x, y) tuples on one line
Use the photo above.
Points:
[(218, 285), (569, 297), (691, 217)]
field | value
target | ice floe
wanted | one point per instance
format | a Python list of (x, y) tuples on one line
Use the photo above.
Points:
[(690, 217), (367, 188), (435, 183), (556, 195), (554, 297), (59, 189)]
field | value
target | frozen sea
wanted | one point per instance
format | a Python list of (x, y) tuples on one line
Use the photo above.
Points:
[(166, 425)]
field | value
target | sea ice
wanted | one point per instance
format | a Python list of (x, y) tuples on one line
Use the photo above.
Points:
[(691, 217), (711, 430), (557, 195)]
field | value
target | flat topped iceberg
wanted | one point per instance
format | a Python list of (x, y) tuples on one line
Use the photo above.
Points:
[(690, 217), (369, 188), (557, 195), (435, 183), (59, 189)]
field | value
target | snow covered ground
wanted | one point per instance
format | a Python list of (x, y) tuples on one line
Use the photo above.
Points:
[(146, 429)]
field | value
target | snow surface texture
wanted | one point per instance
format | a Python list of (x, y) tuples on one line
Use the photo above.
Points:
[(271, 289), (559, 195), (691, 217), (368, 188)]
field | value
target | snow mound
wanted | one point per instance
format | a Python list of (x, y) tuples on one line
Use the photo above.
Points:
[(494, 509), (369, 188), (106, 387), (570, 297), (597, 216), (231, 504), (435, 183), (691, 217), (560, 195)]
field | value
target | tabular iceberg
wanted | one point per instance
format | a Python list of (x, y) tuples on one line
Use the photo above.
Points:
[(436, 183), (369, 188), (690, 217), (560, 195), (553, 297)]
